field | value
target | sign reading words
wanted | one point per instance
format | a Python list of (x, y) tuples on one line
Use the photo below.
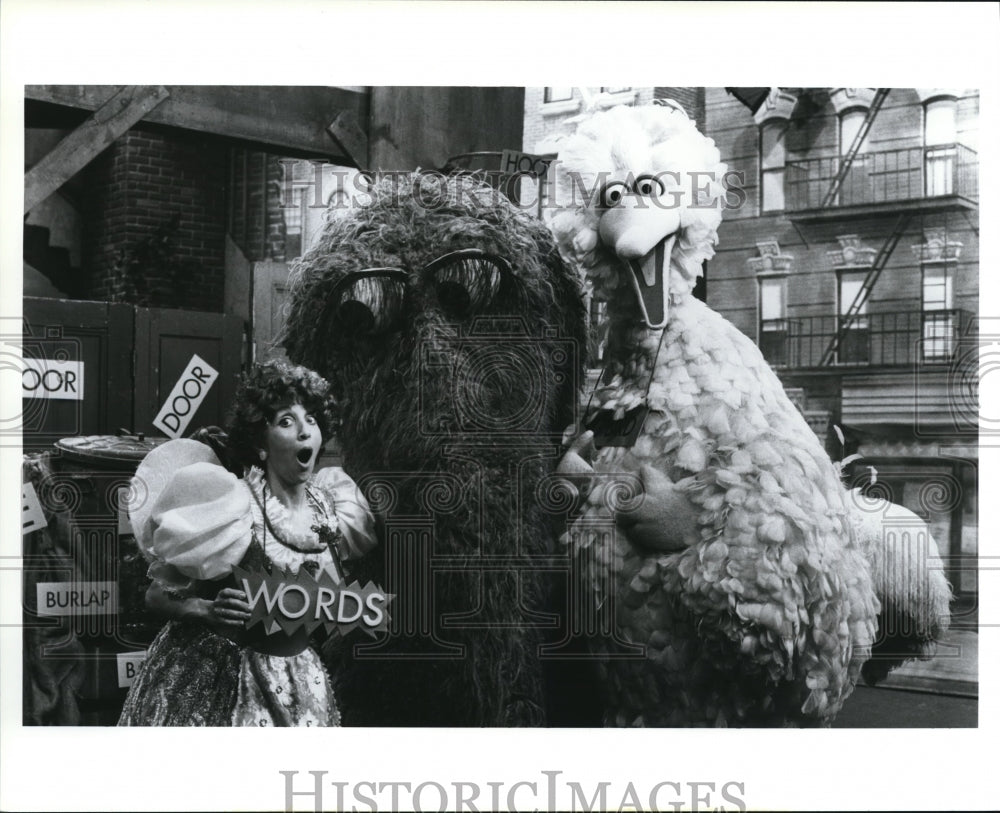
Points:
[(51, 378), (77, 598), (128, 667), (32, 516), (185, 398), (288, 601)]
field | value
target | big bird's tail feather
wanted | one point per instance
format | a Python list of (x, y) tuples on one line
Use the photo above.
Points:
[(908, 577)]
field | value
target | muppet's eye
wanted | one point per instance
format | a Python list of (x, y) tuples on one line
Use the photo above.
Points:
[(369, 302), (466, 281), (647, 185), (612, 194)]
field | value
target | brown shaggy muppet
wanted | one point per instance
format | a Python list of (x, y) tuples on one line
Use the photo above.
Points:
[(450, 330)]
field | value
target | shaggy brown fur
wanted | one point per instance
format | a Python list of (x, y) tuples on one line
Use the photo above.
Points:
[(450, 421)]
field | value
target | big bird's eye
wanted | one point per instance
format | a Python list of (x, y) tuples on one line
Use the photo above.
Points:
[(369, 302), (466, 281), (647, 185), (612, 193)]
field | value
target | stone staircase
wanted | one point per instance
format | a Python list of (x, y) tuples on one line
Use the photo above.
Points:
[(53, 262)]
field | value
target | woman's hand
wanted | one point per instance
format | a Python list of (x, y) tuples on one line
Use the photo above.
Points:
[(225, 614), (229, 609)]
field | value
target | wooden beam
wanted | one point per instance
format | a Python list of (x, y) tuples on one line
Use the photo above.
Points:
[(286, 120), (416, 126), (86, 142)]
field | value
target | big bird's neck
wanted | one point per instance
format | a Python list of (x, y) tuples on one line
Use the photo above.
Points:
[(636, 354)]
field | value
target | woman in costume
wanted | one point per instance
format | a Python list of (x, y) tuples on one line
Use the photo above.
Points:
[(199, 520)]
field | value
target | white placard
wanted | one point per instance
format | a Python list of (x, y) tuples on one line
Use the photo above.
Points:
[(128, 667), (51, 378), (32, 516), (185, 398), (77, 598), (513, 162)]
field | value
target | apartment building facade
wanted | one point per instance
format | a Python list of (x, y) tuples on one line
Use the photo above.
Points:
[(854, 264)]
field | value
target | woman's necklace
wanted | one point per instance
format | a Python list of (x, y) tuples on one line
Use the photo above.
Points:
[(302, 544), (326, 538)]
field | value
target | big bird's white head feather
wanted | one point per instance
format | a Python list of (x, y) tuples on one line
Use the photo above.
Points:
[(630, 181)]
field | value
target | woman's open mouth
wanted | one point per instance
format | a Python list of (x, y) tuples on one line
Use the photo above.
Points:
[(304, 456)]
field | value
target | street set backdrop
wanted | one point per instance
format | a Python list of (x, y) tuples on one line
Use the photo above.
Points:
[(161, 222)]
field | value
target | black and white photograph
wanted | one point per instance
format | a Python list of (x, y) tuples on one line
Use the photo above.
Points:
[(580, 447)]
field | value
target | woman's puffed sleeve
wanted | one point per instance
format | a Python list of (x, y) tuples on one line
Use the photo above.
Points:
[(353, 512), (200, 524)]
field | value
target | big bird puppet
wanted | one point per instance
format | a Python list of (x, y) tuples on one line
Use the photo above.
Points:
[(750, 585)]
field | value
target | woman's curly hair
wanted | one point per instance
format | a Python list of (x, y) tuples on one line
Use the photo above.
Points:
[(268, 388)]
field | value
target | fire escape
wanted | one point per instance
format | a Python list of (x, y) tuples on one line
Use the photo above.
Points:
[(892, 377), (863, 185), (850, 317)]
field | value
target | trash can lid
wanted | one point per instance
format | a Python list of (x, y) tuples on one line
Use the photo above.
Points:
[(125, 451)]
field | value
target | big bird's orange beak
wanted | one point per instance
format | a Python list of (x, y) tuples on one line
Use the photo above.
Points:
[(642, 233)]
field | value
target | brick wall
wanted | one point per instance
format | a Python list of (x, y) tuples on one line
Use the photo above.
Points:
[(257, 223), (156, 221), (105, 218), (542, 120)]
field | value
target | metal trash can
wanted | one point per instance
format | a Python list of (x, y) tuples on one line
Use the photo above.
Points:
[(86, 625)]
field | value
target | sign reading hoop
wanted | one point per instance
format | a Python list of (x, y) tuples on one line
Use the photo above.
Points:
[(301, 600), (523, 163)]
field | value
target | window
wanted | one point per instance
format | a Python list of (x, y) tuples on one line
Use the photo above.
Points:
[(293, 213), (938, 318), (615, 89), (850, 126), (939, 123), (940, 135), (772, 166), (773, 339), (558, 94), (772, 300), (937, 289), (854, 188), (854, 345)]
